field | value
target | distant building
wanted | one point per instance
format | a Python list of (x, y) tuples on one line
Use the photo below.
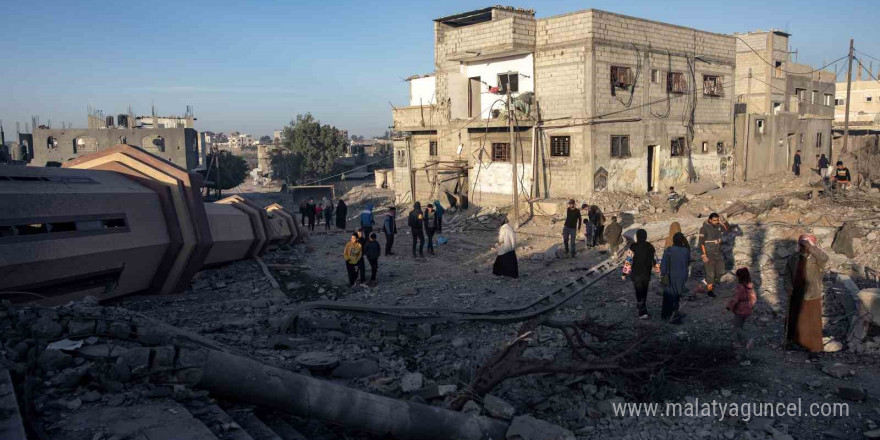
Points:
[(864, 104)]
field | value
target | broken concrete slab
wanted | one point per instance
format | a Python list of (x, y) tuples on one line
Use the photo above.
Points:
[(166, 421), (411, 382), (101, 351), (870, 299), (530, 428), (700, 188), (837, 370), (497, 407), (356, 369)]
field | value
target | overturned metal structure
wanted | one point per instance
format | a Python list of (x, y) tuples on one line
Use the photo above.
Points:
[(121, 221)]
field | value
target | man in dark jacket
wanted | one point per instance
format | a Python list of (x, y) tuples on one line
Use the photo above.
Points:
[(389, 227), (710, 245), (571, 227), (311, 212), (643, 262), (796, 167), (417, 227), (431, 222), (613, 236), (372, 252), (823, 167)]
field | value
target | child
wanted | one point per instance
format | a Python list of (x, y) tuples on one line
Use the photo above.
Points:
[(741, 305), (672, 199), (372, 252), (352, 254)]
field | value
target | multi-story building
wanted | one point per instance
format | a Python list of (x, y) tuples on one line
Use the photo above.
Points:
[(602, 101), (781, 106), (864, 104)]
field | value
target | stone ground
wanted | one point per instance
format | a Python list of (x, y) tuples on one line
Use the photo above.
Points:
[(235, 306)]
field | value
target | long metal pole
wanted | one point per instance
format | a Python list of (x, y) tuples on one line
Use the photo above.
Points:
[(515, 187), (748, 129), (846, 107)]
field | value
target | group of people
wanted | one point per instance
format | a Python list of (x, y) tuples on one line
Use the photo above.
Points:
[(840, 176), (596, 232), (313, 213), (802, 280)]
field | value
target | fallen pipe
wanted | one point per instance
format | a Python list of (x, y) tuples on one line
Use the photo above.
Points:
[(246, 380)]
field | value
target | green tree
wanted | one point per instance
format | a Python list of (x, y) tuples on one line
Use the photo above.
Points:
[(318, 146), (286, 166), (265, 140), (233, 171)]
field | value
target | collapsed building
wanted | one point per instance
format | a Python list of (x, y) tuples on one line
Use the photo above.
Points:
[(121, 221), (602, 101), (781, 106)]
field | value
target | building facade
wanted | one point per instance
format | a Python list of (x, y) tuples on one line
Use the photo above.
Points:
[(781, 106), (601, 101)]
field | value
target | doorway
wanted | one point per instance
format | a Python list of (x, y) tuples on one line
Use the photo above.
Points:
[(474, 92), (652, 164)]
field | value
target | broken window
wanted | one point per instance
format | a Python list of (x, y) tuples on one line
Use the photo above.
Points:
[(85, 144), (560, 146), (510, 80), (620, 146), (815, 99), (719, 147), (51, 142), (432, 148), (839, 101), (818, 140), (676, 82), (655, 76), (712, 85), (778, 70), (777, 107), (600, 180), (828, 99), (868, 98), (500, 152), (801, 94), (677, 147), (401, 157), (759, 124), (621, 77), (705, 148), (153, 144)]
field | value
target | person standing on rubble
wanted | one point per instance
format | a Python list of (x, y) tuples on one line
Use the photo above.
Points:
[(597, 219), (588, 227), (361, 266), (672, 199), (438, 208), (506, 264), (803, 285), (674, 268), (416, 225), (341, 214), (328, 213), (640, 262), (842, 176), (614, 236), (311, 211), (571, 227), (431, 222), (710, 245), (372, 252), (367, 220), (352, 254), (823, 167), (389, 227), (796, 165), (742, 304)]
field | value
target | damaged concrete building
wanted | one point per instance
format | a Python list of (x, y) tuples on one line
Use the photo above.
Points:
[(781, 107), (172, 138), (602, 101)]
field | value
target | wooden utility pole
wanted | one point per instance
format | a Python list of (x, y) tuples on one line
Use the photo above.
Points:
[(846, 107), (748, 129), (512, 151)]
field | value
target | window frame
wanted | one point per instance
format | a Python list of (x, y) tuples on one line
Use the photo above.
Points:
[(619, 138), (500, 152), (432, 148), (621, 77), (655, 76), (717, 88), (676, 83), (561, 150), (682, 143), (502, 85)]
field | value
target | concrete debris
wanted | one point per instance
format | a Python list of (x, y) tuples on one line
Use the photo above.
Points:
[(838, 370), (530, 428), (496, 407), (355, 369), (411, 382)]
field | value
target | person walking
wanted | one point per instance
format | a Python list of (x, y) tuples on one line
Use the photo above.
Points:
[(389, 227), (311, 211), (319, 213), (372, 252), (506, 264), (823, 167), (802, 280), (328, 213), (641, 261), (361, 266), (597, 219), (710, 245), (796, 166), (438, 208), (430, 220), (367, 220), (417, 227), (674, 268), (352, 254), (303, 213), (570, 228), (674, 228), (341, 214), (742, 304), (588, 227), (614, 236)]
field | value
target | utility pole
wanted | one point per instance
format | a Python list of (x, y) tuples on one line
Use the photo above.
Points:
[(748, 129), (846, 107), (515, 187)]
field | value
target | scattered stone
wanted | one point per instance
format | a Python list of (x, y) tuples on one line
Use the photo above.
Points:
[(318, 360), (837, 370), (54, 360), (728, 278), (725, 392), (472, 408), (356, 369), (411, 382), (833, 346), (835, 433), (65, 345), (284, 342), (81, 328), (530, 428), (854, 394), (872, 434), (459, 342), (760, 424), (607, 406), (91, 396), (423, 331), (46, 328), (870, 299), (498, 408), (116, 400), (293, 285), (96, 352), (434, 392)]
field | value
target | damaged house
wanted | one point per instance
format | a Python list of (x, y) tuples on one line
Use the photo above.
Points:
[(781, 107), (601, 101)]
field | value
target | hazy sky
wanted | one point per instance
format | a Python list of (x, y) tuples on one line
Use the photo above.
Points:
[(252, 66)]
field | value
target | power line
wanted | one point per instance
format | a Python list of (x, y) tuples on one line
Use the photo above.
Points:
[(869, 56), (783, 70), (866, 70), (789, 94)]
